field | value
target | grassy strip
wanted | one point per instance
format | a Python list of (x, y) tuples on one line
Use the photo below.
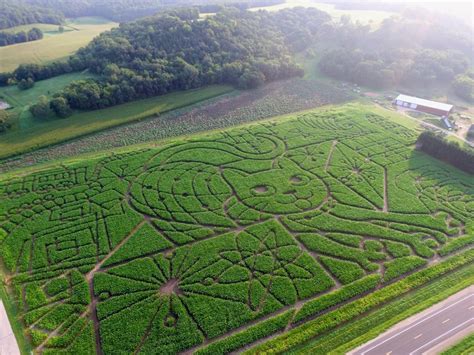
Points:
[(322, 303), (331, 320), (369, 327), (12, 312), (248, 336), (464, 347), (84, 123)]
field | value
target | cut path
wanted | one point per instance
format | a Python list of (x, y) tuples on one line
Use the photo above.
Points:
[(427, 330), (8, 344)]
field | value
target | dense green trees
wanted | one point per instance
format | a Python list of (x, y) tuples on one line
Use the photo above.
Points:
[(26, 84), (15, 13), (60, 107), (7, 38), (4, 121), (127, 10), (463, 86), (449, 152), (396, 53), (177, 51), (382, 70), (41, 109)]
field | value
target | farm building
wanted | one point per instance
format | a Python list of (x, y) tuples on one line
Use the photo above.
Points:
[(422, 105), (447, 123)]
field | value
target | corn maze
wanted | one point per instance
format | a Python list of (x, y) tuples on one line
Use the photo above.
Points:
[(170, 249)]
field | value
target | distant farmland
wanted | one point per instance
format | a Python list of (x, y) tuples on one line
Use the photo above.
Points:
[(53, 46), (209, 244)]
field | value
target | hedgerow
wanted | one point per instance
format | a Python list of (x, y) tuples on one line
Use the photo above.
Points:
[(162, 249)]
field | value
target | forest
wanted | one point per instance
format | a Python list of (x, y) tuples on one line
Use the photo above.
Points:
[(413, 49), (16, 13), (449, 152), (7, 38), (127, 10), (173, 51)]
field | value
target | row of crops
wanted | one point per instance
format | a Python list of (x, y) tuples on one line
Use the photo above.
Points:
[(209, 244)]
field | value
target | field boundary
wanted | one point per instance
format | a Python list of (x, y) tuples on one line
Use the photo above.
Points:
[(138, 118), (254, 346), (304, 332), (156, 143), (12, 313)]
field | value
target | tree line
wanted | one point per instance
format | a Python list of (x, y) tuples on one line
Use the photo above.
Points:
[(7, 38), (449, 152), (177, 51), (128, 10), (463, 86), (413, 49), (17, 13)]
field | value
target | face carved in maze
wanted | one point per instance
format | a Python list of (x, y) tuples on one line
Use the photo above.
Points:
[(284, 189)]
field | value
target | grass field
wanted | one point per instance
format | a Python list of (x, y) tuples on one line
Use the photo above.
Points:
[(464, 347), (20, 100), (162, 249), (47, 29), (39, 134), (79, 32)]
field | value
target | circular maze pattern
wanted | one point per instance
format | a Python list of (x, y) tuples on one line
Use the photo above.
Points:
[(163, 250)]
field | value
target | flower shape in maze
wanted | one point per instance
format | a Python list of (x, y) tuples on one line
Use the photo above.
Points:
[(205, 289)]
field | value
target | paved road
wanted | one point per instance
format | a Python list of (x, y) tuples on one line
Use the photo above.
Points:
[(8, 344), (426, 330)]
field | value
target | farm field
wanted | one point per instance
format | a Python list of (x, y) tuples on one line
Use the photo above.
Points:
[(211, 243), (231, 109), (78, 32), (35, 134), (47, 29)]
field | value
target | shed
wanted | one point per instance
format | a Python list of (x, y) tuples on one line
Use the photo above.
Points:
[(447, 123)]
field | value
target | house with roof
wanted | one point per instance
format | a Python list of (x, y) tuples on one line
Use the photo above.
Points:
[(422, 105)]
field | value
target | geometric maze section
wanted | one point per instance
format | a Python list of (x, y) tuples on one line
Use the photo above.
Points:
[(161, 250)]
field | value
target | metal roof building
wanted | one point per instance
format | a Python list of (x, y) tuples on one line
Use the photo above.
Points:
[(428, 106)]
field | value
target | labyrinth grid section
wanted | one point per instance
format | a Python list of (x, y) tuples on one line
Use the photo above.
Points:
[(163, 250)]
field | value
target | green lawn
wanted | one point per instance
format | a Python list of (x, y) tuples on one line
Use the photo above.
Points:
[(20, 100), (59, 130), (79, 32), (464, 347)]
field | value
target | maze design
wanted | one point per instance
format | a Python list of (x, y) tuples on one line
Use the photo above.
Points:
[(162, 250)]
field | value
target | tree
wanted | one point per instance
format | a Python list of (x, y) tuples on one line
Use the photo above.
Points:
[(35, 34), (4, 121), (61, 29), (41, 109), (463, 86), (251, 79), (61, 107), (26, 84)]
